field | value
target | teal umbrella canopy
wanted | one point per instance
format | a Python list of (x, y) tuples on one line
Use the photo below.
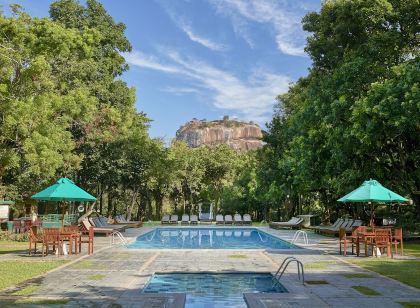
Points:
[(63, 190), (372, 191)]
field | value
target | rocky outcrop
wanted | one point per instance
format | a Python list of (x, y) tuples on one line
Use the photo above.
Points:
[(238, 135)]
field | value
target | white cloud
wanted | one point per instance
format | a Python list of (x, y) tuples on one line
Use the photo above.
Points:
[(252, 98), (289, 36), (186, 27), (200, 39), (180, 90)]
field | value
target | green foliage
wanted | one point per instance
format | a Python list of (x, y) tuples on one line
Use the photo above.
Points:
[(355, 116)]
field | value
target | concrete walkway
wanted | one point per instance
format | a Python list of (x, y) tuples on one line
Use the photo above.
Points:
[(115, 276)]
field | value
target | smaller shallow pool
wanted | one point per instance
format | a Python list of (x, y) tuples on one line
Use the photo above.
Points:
[(205, 290), (209, 238)]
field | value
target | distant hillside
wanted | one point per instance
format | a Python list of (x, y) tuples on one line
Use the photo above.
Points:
[(241, 136)]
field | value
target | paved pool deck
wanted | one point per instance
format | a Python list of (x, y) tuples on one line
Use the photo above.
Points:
[(114, 276)]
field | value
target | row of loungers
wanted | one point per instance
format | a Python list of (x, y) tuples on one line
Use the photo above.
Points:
[(185, 219), (220, 220), (347, 224), (237, 219), (294, 222)]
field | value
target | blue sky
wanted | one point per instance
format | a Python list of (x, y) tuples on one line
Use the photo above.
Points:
[(207, 58)]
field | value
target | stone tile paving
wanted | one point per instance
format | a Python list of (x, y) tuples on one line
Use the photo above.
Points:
[(116, 276)]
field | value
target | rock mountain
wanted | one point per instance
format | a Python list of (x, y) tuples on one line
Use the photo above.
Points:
[(241, 136)]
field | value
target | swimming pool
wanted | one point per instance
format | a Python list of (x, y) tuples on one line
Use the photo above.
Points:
[(209, 238), (213, 289)]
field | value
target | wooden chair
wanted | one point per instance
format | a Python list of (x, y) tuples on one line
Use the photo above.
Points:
[(397, 239), (343, 240), (35, 237), (88, 240), (52, 237), (72, 235), (17, 226), (382, 240)]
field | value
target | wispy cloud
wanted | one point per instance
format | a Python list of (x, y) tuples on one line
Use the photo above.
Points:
[(186, 26), (252, 98), (180, 90), (289, 36), (200, 39)]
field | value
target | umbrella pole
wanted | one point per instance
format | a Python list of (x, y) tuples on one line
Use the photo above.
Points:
[(62, 214), (372, 224)]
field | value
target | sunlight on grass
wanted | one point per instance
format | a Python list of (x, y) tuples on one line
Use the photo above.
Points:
[(36, 301), (27, 290), (357, 275), (89, 264), (406, 271), (237, 256), (412, 249), (316, 282), (14, 272), (319, 264), (96, 277), (12, 246), (366, 291), (410, 304)]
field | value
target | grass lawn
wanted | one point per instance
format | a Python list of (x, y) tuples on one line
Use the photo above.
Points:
[(14, 272), (12, 246), (406, 271), (412, 248)]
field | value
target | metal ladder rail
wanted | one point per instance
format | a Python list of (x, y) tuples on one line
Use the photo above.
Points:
[(297, 235), (281, 266), (299, 268), (120, 236)]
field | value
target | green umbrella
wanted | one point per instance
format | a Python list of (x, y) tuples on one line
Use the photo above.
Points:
[(372, 192), (63, 190)]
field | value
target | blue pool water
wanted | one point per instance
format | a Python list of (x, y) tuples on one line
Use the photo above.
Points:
[(209, 238), (205, 290)]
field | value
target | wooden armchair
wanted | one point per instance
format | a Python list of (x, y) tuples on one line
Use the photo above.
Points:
[(397, 239), (382, 240), (88, 240), (35, 237)]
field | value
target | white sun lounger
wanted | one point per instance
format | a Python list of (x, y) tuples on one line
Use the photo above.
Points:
[(237, 219), (247, 219), (185, 219), (174, 219), (219, 220), (193, 219), (228, 219), (165, 219)]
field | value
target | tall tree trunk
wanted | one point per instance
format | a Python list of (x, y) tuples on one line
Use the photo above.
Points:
[(133, 202), (109, 204)]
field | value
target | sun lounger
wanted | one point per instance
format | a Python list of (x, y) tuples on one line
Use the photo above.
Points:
[(120, 219), (335, 230), (219, 220), (193, 219), (102, 222), (165, 219), (173, 219), (356, 223), (247, 219), (237, 219), (185, 219), (85, 225), (228, 219), (294, 222), (337, 223)]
